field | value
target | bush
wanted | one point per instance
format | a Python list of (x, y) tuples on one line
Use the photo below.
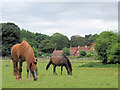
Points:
[(90, 54), (83, 53)]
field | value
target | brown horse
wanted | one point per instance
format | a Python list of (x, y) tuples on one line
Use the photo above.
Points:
[(20, 53), (60, 61)]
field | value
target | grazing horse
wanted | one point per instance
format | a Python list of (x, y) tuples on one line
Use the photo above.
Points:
[(60, 61), (20, 53)]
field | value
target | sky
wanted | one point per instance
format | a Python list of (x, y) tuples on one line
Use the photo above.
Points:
[(68, 18)]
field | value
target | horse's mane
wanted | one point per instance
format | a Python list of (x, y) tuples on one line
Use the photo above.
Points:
[(68, 61)]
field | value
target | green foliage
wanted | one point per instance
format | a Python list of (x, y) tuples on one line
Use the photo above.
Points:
[(66, 52), (83, 53), (35, 51), (90, 54), (29, 37), (114, 53), (93, 38), (60, 41), (40, 42), (104, 43), (47, 54), (39, 54), (10, 36), (77, 40), (46, 46)]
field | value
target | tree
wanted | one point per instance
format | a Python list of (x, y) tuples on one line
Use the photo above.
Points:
[(60, 41), (46, 46), (10, 36), (66, 52), (77, 40), (114, 53), (93, 38), (83, 53), (104, 44), (35, 51), (87, 36)]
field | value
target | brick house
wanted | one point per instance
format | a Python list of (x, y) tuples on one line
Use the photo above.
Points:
[(75, 51)]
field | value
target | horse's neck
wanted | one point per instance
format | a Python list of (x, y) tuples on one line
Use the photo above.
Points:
[(30, 58)]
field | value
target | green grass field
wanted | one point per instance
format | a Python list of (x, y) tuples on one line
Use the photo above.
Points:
[(83, 77)]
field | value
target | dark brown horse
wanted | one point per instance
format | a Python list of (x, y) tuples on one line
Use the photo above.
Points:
[(60, 61), (20, 53)]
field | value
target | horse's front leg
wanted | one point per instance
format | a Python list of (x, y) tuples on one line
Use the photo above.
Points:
[(66, 66), (15, 69), (28, 67), (20, 71), (54, 71)]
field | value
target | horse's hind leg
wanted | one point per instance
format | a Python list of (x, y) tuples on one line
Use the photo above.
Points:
[(20, 70), (54, 71), (15, 69), (28, 67)]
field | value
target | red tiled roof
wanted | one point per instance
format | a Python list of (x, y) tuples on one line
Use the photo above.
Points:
[(74, 51), (73, 48)]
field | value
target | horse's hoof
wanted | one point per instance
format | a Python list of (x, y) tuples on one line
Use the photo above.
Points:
[(20, 79), (35, 79), (55, 73)]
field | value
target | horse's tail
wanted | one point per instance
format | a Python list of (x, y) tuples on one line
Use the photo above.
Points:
[(69, 63), (50, 62), (15, 68)]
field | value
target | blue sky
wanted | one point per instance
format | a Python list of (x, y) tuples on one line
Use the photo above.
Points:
[(68, 18)]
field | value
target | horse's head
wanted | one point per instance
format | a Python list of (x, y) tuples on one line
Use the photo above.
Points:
[(69, 71), (69, 67), (33, 69)]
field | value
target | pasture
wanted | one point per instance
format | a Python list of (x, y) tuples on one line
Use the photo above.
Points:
[(83, 77)]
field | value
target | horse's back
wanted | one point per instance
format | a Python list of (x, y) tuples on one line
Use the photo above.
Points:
[(58, 60), (14, 51)]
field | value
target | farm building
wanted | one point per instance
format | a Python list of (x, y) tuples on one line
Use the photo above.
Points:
[(75, 51)]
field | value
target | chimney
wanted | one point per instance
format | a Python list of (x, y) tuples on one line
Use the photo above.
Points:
[(78, 46), (86, 46)]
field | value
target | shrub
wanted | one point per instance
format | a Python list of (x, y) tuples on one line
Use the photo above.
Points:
[(83, 53), (90, 54)]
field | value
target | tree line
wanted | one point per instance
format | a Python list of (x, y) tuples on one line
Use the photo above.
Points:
[(107, 44), (42, 44)]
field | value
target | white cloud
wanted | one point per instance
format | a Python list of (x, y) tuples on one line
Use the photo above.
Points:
[(66, 18)]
